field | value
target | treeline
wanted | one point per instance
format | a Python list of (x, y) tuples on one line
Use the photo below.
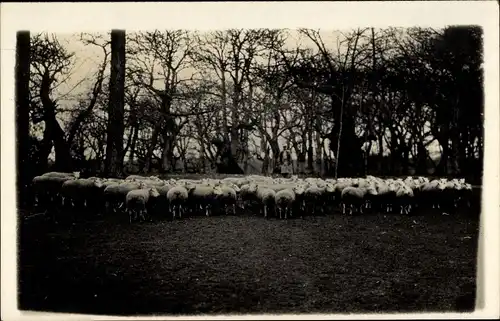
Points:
[(373, 99)]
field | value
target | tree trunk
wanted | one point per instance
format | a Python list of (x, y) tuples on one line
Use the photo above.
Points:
[(167, 153), (131, 157), (152, 147), (265, 149), (442, 168), (114, 144), (275, 148), (319, 145), (22, 114), (310, 153)]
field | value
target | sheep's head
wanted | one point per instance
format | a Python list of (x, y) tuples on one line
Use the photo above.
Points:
[(142, 185), (218, 191), (252, 187), (153, 192), (371, 190), (406, 191), (98, 183), (76, 175), (330, 188), (235, 187), (441, 185), (299, 190)]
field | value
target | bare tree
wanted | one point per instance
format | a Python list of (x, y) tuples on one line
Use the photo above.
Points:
[(50, 63), (159, 59)]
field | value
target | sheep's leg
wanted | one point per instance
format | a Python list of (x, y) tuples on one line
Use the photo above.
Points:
[(206, 210), (234, 209), (265, 211), (143, 215)]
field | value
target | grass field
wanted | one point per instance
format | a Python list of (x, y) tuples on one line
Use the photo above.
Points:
[(246, 264)]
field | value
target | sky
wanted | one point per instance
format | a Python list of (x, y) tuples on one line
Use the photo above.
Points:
[(88, 57)]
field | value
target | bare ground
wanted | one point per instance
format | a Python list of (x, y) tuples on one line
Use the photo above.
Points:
[(246, 264)]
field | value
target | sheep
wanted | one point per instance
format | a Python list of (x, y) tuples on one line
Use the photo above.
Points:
[(162, 204), (136, 177), (337, 193), (266, 197), (404, 199), (152, 183), (329, 194), (312, 197), (227, 198), (177, 197), (284, 200), (370, 197), (430, 192), (299, 204), (248, 194), (466, 195), (62, 174), (203, 196), (386, 194), (137, 201), (354, 198), (115, 195), (79, 193), (47, 191)]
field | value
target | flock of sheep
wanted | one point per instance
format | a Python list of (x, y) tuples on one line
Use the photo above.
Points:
[(143, 198)]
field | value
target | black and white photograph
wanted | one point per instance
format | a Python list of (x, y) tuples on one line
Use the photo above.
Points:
[(261, 170)]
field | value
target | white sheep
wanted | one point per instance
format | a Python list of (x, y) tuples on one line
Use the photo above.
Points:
[(312, 198), (404, 199), (177, 197), (203, 196), (115, 195), (266, 197), (354, 198), (137, 201), (227, 198), (284, 200), (47, 191), (62, 174), (78, 193), (248, 194), (299, 205)]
